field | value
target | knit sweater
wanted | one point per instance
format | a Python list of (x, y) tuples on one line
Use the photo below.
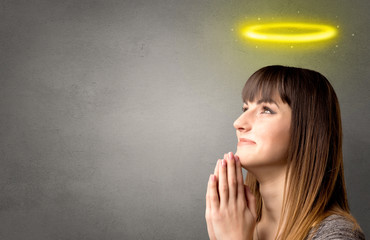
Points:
[(336, 227)]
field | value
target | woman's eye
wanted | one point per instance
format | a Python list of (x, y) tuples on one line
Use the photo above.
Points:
[(244, 109), (267, 110)]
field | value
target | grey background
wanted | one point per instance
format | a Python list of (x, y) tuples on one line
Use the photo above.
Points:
[(113, 113)]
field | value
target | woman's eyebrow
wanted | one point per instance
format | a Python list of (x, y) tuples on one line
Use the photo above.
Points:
[(267, 100)]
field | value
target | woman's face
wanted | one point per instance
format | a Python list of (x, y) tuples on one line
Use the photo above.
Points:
[(263, 132)]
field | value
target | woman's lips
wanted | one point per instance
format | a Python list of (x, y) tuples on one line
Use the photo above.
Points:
[(246, 141)]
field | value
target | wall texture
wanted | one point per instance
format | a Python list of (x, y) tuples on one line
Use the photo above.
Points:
[(113, 113)]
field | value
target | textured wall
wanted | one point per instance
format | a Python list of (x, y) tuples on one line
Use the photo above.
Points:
[(113, 113)]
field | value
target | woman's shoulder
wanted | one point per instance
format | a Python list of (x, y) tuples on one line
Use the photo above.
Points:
[(336, 227)]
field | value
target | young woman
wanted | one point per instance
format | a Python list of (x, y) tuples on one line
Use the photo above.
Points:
[(290, 141)]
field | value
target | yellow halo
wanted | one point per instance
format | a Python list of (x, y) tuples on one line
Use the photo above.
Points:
[(311, 32)]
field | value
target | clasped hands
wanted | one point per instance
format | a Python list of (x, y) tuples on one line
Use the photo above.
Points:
[(230, 205)]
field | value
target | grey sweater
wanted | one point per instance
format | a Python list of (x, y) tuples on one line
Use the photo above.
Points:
[(336, 227)]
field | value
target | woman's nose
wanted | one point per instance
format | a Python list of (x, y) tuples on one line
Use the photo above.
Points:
[(242, 123)]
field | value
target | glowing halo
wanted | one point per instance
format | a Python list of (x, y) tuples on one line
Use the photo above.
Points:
[(307, 32)]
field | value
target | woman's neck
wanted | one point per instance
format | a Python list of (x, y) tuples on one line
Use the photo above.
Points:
[(271, 188)]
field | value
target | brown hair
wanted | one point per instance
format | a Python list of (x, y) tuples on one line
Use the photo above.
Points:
[(315, 161)]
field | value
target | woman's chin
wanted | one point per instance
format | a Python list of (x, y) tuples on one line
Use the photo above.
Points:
[(242, 153)]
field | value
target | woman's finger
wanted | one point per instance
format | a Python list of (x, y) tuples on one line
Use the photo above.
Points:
[(214, 199), (231, 177), (222, 183), (208, 197), (208, 216), (239, 178), (216, 168)]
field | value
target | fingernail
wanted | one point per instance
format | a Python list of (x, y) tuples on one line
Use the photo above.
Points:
[(223, 163), (213, 178), (225, 156), (236, 158), (230, 155)]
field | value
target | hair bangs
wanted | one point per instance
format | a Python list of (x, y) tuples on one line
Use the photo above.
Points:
[(266, 84)]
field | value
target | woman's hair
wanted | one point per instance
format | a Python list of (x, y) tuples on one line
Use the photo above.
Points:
[(315, 186)]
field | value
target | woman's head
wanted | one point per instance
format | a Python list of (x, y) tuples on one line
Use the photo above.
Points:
[(263, 132), (313, 154)]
